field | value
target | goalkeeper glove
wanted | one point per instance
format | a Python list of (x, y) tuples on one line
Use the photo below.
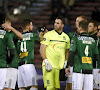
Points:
[(48, 66), (65, 64), (42, 29)]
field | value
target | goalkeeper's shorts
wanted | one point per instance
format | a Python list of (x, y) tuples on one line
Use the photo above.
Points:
[(51, 78)]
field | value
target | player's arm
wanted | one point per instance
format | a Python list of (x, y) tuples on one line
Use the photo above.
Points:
[(43, 51), (71, 58), (11, 47), (67, 54), (66, 57), (48, 66), (9, 27), (41, 36), (42, 32), (11, 55)]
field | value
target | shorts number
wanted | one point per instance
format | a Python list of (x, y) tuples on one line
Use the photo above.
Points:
[(86, 50), (23, 46)]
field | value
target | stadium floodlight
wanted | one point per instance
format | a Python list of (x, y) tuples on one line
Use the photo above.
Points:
[(16, 11)]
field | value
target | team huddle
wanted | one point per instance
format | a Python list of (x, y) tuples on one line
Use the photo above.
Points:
[(76, 52)]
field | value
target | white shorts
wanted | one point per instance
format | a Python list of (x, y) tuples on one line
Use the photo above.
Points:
[(96, 79), (69, 79), (27, 75), (3, 72), (80, 81), (11, 78)]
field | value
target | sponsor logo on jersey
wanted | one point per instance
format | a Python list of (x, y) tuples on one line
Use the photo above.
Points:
[(48, 82), (64, 38)]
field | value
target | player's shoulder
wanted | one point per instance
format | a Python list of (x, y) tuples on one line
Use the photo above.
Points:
[(65, 34), (49, 32)]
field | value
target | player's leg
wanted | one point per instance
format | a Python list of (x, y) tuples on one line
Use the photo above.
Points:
[(69, 80), (88, 82), (22, 88), (77, 81), (21, 78), (31, 76), (2, 77), (11, 79), (48, 78), (56, 79), (95, 79)]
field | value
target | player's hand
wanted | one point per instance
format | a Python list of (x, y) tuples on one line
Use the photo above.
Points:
[(48, 66), (7, 26), (67, 71), (65, 64)]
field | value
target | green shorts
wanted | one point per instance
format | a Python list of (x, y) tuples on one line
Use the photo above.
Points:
[(51, 78)]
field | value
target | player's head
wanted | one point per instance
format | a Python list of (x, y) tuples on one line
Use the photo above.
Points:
[(27, 24), (59, 24), (92, 27), (98, 34), (7, 20), (78, 19), (83, 26)]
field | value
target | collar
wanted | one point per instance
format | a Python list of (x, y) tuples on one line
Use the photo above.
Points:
[(85, 34), (25, 32), (94, 36), (58, 32)]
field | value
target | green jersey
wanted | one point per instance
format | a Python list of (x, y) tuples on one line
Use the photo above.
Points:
[(56, 47), (76, 58), (96, 39), (84, 46), (98, 44), (25, 47), (5, 41), (14, 63), (72, 34)]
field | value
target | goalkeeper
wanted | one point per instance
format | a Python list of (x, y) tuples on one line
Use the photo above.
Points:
[(54, 51)]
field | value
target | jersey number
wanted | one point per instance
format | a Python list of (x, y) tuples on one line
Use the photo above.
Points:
[(23, 46), (86, 50)]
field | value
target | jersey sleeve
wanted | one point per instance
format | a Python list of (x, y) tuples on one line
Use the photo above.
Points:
[(36, 36), (96, 49), (45, 40), (10, 42), (73, 44), (68, 43)]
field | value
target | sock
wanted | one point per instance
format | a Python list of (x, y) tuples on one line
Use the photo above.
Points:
[(33, 88)]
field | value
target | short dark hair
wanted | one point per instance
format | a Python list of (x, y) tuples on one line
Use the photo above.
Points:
[(94, 23), (25, 22), (84, 18), (83, 25), (61, 18), (7, 19)]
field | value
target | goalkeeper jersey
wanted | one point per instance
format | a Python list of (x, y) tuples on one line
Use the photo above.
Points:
[(84, 46), (25, 47), (56, 47)]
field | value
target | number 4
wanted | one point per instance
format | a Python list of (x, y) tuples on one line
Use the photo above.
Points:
[(86, 50)]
